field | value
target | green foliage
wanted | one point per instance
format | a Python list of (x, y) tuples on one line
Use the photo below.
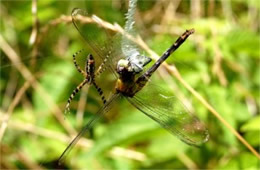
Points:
[(220, 61)]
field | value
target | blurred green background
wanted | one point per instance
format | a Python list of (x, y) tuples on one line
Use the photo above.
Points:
[(220, 61)]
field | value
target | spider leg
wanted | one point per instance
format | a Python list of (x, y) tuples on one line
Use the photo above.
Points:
[(75, 91), (76, 64), (98, 115), (102, 67), (100, 92)]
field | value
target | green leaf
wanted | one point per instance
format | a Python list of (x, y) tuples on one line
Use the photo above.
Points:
[(253, 137), (251, 125), (165, 146), (129, 128), (241, 161), (54, 82), (243, 42)]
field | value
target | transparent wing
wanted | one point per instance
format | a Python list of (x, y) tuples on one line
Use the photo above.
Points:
[(99, 39), (129, 48), (98, 115), (163, 107)]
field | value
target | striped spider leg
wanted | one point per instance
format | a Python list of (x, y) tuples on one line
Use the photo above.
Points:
[(102, 66), (89, 75)]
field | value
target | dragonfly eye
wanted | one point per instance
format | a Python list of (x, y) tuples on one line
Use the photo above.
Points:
[(123, 63), (124, 66)]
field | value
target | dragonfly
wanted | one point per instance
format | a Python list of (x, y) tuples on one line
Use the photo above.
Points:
[(133, 82)]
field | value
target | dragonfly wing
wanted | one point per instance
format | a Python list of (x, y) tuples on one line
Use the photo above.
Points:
[(129, 48), (98, 115), (99, 39), (163, 107)]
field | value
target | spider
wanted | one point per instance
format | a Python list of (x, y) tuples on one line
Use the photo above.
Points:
[(89, 77)]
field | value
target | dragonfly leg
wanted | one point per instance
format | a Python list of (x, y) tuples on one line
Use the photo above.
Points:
[(76, 64), (75, 91)]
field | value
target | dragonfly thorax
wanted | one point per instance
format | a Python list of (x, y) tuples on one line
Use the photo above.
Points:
[(138, 61), (126, 82)]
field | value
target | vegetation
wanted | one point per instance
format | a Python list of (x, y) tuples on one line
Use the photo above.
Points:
[(220, 62)]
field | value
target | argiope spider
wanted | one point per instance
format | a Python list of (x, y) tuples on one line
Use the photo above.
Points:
[(89, 75)]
